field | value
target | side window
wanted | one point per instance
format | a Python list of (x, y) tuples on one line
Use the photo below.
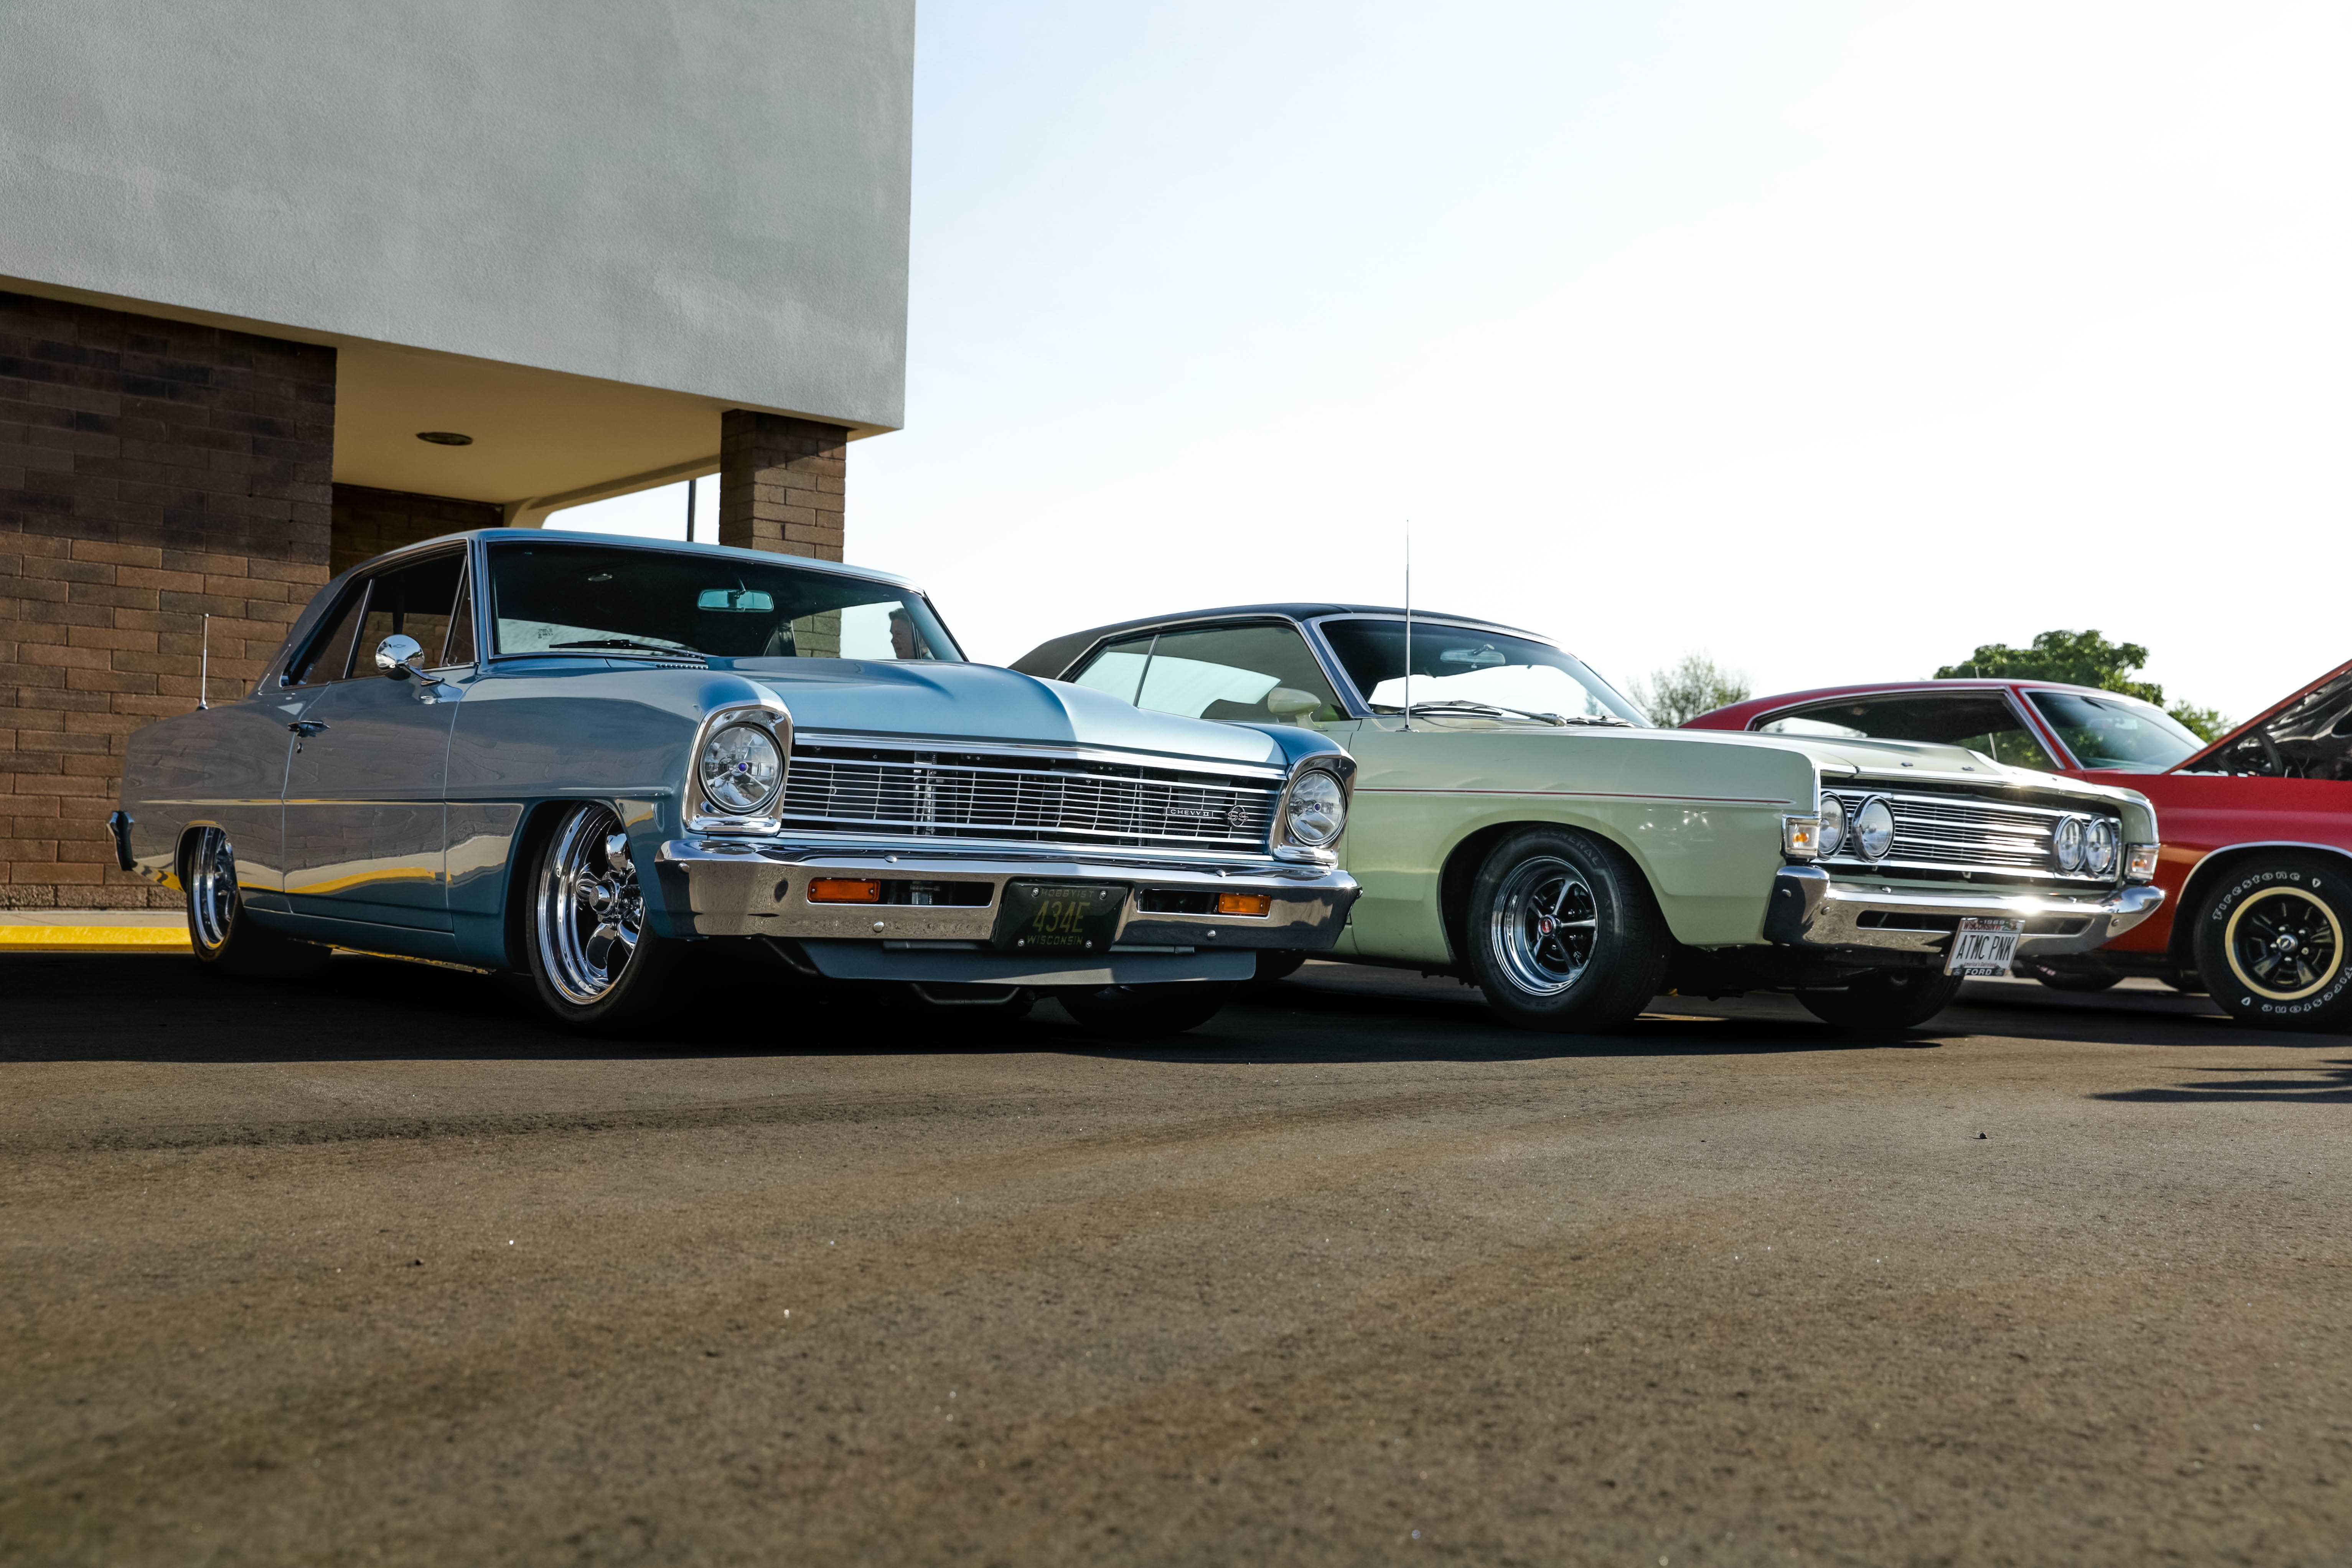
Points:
[(328, 657), (1259, 672), (460, 651), (414, 600), (1978, 721)]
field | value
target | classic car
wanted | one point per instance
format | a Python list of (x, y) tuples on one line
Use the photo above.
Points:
[(2258, 825), (1519, 823), (577, 755)]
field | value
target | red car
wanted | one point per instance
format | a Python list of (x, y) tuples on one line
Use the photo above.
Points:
[(2257, 861)]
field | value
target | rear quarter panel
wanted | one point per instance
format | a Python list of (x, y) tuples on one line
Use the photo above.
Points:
[(222, 767)]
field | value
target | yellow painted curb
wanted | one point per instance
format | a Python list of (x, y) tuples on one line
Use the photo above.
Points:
[(100, 938)]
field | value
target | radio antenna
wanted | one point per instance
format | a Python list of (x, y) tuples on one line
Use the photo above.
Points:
[(204, 668), (690, 511), (1408, 623)]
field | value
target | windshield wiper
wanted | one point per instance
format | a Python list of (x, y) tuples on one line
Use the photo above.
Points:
[(1458, 705), (628, 643)]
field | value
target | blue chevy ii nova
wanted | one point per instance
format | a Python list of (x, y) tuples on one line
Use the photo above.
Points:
[(573, 755)]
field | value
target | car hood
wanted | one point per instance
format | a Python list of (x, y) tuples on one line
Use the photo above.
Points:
[(982, 703), (1836, 758)]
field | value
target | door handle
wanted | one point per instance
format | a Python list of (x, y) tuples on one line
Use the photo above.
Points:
[(306, 727)]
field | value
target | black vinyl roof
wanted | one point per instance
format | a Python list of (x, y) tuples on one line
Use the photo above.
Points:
[(1049, 659)]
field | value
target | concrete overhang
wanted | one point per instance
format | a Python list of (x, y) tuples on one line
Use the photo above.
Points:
[(541, 438)]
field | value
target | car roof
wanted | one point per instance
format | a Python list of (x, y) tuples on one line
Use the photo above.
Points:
[(1050, 658), (1736, 714)]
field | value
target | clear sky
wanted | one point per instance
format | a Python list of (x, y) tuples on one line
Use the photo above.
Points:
[(1832, 340)]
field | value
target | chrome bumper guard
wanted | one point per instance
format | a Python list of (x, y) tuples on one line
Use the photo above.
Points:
[(712, 886), (1809, 910)]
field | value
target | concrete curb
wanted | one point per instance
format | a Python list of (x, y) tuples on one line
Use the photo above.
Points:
[(93, 931)]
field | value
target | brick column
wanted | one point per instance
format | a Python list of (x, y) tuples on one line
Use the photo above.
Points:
[(151, 472), (367, 522), (780, 484)]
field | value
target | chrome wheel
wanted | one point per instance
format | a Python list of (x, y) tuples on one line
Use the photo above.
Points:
[(2285, 943), (591, 911), (1543, 924), (212, 889)]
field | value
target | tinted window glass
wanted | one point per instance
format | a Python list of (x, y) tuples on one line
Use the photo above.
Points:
[(2116, 731), (328, 657), (1218, 672), (1980, 721), (1452, 666), (413, 601), (595, 600)]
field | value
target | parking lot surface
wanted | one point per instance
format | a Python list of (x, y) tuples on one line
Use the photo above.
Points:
[(376, 1267)]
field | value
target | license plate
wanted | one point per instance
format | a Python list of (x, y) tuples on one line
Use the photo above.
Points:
[(1983, 946), (1047, 917)]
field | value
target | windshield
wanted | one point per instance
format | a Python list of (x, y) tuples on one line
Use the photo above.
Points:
[(1450, 664), (593, 599), (2111, 732)]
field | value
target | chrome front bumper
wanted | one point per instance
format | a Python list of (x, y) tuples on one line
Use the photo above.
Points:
[(714, 887), (1810, 910)]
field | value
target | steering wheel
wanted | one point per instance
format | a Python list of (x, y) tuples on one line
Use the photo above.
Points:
[(2274, 765)]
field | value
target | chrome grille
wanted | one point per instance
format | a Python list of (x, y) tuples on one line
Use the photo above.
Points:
[(1963, 833), (1071, 801)]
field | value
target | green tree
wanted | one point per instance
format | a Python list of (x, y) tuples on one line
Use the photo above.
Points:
[(1693, 686), (2083, 658)]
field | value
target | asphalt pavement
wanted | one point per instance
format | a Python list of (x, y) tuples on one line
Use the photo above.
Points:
[(377, 1267)]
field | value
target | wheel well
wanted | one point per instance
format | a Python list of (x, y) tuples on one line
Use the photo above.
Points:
[(531, 836), (2180, 947), (1461, 869)]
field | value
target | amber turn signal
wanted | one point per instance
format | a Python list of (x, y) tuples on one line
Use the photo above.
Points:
[(844, 890), (1245, 903)]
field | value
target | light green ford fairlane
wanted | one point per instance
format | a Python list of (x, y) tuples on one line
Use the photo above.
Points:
[(1517, 822)]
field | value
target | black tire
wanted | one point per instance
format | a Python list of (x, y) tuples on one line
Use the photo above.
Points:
[(1275, 965), (1148, 1012), (2270, 943), (1880, 999), (2064, 978), (225, 938), (1561, 933), (595, 963)]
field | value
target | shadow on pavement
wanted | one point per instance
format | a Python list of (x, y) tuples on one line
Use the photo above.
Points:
[(100, 1007), (2331, 1086)]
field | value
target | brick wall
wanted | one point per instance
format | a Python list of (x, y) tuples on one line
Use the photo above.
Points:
[(151, 472), (781, 484), (367, 522)]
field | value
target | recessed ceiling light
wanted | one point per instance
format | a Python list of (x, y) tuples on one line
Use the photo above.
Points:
[(445, 437)]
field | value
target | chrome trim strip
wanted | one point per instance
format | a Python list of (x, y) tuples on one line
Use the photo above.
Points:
[(1808, 910), (984, 746)]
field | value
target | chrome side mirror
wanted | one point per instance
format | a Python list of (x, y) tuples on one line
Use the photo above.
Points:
[(400, 655), (1289, 702)]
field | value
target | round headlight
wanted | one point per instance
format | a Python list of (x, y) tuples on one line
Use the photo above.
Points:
[(1832, 812), (2066, 845), (1874, 828), (2102, 847), (741, 768), (1319, 809)]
